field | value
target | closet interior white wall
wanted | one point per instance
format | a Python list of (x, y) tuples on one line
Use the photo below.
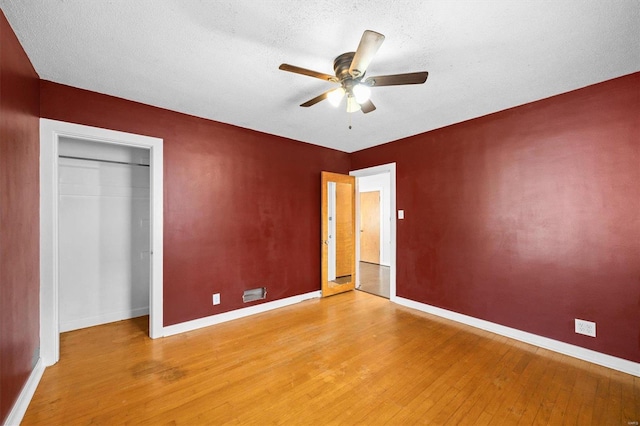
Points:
[(103, 233)]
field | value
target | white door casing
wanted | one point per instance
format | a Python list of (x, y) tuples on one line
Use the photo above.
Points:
[(50, 132)]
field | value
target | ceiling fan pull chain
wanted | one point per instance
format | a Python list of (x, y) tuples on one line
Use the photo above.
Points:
[(349, 121)]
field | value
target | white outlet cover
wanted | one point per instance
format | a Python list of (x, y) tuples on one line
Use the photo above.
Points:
[(216, 298), (588, 328), (400, 214)]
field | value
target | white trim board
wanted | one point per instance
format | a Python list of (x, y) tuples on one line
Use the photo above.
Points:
[(578, 352), (238, 313), (24, 398), (50, 133)]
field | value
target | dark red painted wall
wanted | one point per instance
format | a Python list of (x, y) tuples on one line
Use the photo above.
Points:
[(241, 208), (529, 217), (19, 218)]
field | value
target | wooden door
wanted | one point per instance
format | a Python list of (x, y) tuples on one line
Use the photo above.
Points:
[(338, 233), (370, 227)]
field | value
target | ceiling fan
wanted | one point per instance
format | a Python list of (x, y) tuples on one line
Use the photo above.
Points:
[(350, 69)]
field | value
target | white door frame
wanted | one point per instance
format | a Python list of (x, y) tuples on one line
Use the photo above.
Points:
[(370, 171), (50, 133)]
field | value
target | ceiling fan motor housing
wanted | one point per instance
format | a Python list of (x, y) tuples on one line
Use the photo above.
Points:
[(341, 66)]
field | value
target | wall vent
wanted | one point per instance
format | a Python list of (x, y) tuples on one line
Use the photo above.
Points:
[(254, 294)]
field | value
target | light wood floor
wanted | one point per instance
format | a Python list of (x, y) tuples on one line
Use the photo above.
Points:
[(374, 279), (347, 359)]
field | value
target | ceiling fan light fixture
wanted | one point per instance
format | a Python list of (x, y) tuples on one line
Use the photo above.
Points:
[(352, 104), (362, 93), (350, 69), (335, 96)]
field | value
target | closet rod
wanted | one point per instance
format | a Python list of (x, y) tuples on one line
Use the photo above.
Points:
[(103, 161)]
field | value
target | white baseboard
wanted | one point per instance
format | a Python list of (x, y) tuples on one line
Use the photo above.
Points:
[(103, 319), (238, 313), (584, 354), (22, 403)]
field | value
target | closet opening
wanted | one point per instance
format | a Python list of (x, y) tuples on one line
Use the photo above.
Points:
[(103, 233), (101, 230)]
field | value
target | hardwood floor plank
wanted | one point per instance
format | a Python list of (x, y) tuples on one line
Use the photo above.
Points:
[(559, 414), (532, 397), (347, 359), (588, 399), (374, 279), (601, 396), (549, 388)]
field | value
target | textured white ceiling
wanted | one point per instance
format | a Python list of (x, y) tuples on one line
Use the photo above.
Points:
[(219, 59)]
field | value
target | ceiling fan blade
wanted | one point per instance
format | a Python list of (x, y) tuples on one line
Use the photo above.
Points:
[(397, 79), (367, 106), (369, 45), (310, 73), (317, 99)]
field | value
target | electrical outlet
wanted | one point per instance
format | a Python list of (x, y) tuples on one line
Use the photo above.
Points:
[(216, 298), (587, 328)]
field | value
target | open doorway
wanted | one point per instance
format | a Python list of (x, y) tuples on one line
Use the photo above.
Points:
[(376, 230), (51, 134), (375, 243)]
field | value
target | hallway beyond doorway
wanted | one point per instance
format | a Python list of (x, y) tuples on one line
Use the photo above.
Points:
[(374, 279)]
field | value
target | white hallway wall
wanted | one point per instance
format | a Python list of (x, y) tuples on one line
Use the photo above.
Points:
[(103, 234)]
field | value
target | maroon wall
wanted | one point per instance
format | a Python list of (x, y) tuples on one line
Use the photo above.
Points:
[(241, 208), (19, 218), (529, 217)]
